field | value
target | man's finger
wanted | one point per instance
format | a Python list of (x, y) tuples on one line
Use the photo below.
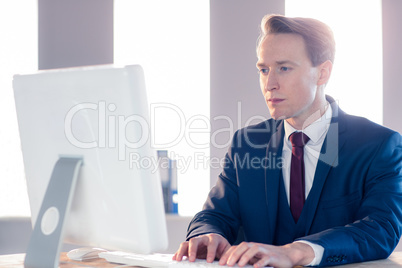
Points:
[(250, 254), (238, 253), (211, 249), (183, 251), (224, 258), (222, 248), (193, 245), (262, 262)]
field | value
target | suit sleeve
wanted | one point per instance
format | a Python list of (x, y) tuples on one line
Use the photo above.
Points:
[(377, 232), (220, 213)]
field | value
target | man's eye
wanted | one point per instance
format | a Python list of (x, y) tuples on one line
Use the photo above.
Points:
[(284, 69), (264, 71)]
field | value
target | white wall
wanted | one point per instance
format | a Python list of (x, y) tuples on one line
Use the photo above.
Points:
[(14, 234), (392, 58), (235, 26), (75, 33)]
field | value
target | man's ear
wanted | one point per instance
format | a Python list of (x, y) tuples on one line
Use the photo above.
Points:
[(324, 72)]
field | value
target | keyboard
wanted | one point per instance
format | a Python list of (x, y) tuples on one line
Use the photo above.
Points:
[(156, 260)]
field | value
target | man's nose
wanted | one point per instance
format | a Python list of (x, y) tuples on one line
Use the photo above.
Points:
[(271, 83)]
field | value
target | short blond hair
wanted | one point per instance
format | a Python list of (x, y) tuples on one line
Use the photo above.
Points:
[(318, 37)]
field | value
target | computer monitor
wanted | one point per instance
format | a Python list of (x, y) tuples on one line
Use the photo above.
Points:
[(97, 116)]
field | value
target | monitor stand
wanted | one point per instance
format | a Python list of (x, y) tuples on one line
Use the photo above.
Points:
[(45, 244)]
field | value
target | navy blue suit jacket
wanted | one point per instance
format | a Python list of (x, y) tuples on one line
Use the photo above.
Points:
[(354, 209)]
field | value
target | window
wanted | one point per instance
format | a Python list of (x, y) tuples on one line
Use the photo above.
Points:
[(170, 39), (356, 80), (18, 54)]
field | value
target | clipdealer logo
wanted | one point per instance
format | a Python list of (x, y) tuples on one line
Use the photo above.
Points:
[(112, 129), (128, 133)]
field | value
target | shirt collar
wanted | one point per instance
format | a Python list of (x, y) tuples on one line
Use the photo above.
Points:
[(315, 131)]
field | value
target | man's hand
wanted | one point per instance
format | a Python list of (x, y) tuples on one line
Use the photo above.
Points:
[(208, 246), (261, 255)]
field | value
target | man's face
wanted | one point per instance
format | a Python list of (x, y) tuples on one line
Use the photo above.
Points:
[(288, 80)]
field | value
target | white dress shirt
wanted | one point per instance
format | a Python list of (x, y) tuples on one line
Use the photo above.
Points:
[(316, 132)]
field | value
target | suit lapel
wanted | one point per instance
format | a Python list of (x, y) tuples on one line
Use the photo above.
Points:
[(273, 175), (329, 154)]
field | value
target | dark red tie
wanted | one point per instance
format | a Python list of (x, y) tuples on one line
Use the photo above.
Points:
[(297, 192)]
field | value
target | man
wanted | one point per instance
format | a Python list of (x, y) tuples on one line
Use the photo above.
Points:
[(334, 197)]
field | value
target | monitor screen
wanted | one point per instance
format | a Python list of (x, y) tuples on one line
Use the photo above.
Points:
[(99, 114)]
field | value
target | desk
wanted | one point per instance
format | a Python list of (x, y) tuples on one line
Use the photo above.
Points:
[(17, 261)]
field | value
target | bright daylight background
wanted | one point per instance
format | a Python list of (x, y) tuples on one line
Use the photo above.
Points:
[(18, 54), (356, 80), (171, 42)]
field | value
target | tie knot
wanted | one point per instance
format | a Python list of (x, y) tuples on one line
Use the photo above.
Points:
[(298, 139)]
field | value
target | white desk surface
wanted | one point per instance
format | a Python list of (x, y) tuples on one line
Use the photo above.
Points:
[(17, 260), (394, 261)]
